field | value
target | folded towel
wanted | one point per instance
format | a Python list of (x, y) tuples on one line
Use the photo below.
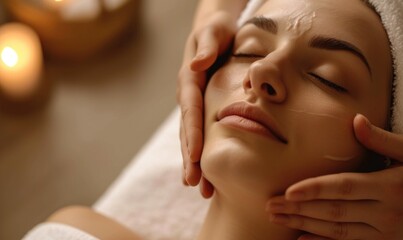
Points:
[(391, 12), (53, 231), (149, 197)]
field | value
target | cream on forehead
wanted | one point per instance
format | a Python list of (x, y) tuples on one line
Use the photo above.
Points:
[(299, 20)]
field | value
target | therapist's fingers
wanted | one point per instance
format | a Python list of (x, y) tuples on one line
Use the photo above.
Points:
[(184, 152), (384, 186), (378, 140), (206, 188), (190, 98), (203, 46), (365, 211), (332, 230), (312, 237), (211, 42), (189, 95), (183, 142), (191, 172), (380, 216), (345, 186), (383, 218), (207, 50)]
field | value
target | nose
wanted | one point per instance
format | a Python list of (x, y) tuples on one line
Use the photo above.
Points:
[(264, 80)]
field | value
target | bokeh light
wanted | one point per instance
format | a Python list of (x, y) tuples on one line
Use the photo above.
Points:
[(9, 56)]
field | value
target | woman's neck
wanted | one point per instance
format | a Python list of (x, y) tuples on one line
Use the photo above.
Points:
[(229, 220)]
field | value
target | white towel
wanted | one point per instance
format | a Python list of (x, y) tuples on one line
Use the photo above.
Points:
[(391, 12), (57, 231), (149, 197)]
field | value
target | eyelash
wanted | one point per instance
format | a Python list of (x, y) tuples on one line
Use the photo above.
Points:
[(328, 83), (247, 55)]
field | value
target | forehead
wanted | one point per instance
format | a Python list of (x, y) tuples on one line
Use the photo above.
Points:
[(347, 17), (349, 20)]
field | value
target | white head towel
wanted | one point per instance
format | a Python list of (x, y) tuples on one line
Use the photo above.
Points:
[(391, 12)]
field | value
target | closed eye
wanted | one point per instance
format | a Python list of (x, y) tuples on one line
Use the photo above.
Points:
[(247, 55), (328, 83)]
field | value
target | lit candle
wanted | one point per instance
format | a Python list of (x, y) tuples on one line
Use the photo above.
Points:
[(21, 62)]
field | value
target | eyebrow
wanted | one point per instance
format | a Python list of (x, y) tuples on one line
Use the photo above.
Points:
[(329, 43), (320, 42), (267, 24)]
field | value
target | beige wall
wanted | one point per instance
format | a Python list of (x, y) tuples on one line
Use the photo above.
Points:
[(100, 114)]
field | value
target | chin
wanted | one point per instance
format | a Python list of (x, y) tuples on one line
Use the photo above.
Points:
[(236, 168)]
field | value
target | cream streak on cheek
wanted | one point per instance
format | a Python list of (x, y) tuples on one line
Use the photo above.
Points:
[(339, 159), (323, 115), (331, 117)]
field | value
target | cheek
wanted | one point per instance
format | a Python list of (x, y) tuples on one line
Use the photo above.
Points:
[(377, 106), (324, 136), (227, 159), (227, 79), (223, 87)]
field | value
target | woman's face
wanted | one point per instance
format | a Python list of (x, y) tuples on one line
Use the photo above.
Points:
[(281, 108)]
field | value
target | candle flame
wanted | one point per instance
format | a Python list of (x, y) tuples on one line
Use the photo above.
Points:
[(9, 56)]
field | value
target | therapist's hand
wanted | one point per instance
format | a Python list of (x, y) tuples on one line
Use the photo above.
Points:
[(205, 43), (359, 206)]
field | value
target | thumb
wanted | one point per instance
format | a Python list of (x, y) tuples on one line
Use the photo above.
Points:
[(207, 50), (209, 45), (378, 140)]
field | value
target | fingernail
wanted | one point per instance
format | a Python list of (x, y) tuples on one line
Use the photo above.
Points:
[(297, 196), (188, 151), (279, 218), (199, 56), (185, 182), (187, 147), (187, 174), (275, 207), (367, 122), (190, 158)]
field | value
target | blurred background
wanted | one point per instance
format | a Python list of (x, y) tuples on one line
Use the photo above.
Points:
[(107, 80)]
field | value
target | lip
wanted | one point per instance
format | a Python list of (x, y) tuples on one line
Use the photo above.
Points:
[(250, 118)]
